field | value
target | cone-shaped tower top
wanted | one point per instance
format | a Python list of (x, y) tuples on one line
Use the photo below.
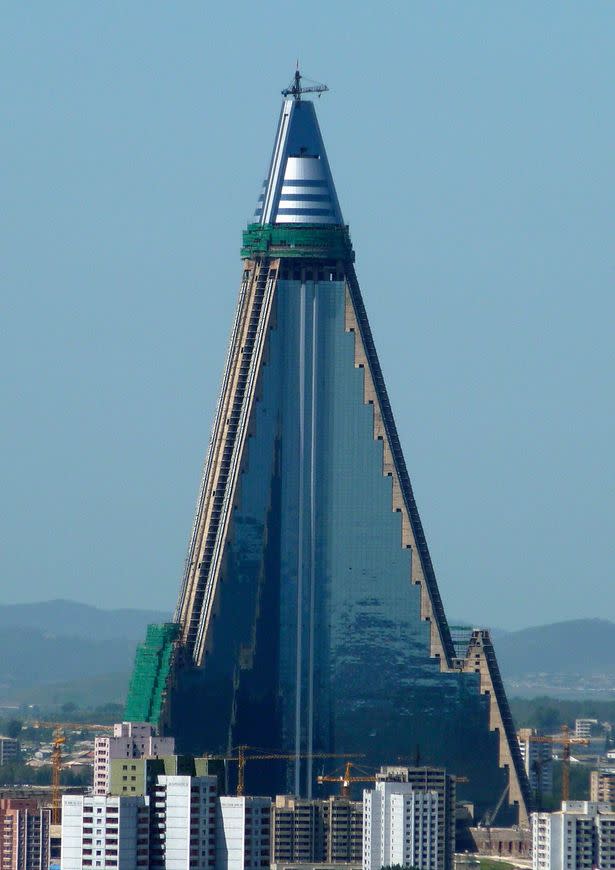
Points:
[(299, 187)]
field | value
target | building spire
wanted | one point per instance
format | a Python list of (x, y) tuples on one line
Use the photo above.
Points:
[(299, 187)]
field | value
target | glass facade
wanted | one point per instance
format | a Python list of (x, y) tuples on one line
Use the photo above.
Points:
[(317, 645)]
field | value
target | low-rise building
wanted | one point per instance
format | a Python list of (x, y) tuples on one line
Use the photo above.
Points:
[(579, 837)]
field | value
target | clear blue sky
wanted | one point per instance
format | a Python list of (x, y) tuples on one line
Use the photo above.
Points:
[(473, 148)]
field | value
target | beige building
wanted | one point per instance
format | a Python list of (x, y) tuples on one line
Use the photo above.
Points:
[(319, 830), (602, 786), (24, 834)]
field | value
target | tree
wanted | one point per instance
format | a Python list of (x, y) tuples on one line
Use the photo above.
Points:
[(13, 728)]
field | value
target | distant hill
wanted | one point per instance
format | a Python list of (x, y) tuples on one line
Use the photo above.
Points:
[(580, 646), (58, 651), (70, 619), (68, 651)]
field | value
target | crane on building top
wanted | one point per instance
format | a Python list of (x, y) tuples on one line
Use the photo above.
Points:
[(242, 757), (295, 89), (347, 778), (565, 740)]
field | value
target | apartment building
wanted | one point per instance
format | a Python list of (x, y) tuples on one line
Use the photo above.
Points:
[(24, 834), (579, 837), (129, 740), (243, 833), (313, 831), (105, 831)]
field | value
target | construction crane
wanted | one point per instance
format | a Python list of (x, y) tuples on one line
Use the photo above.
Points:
[(565, 740), (59, 739), (296, 88), (241, 758), (56, 766), (489, 817), (346, 779)]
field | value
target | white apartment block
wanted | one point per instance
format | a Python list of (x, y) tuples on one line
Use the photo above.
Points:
[(105, 832), (130, 740), (180, 825), (243, 836), (579, 837), (583, 727), (401, 826), (183, 823), (537, 760)]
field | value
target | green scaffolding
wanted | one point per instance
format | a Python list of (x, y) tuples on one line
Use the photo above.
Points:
[(151, 673), (317, 242)]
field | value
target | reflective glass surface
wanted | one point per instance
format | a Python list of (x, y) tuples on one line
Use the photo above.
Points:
[(317, 645)]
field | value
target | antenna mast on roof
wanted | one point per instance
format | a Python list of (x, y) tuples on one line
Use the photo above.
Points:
[(295, 89)]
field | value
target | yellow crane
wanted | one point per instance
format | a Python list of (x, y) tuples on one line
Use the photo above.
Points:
[(241, 758), (565, 740), (59, 739), (347, 778), (56, 766)]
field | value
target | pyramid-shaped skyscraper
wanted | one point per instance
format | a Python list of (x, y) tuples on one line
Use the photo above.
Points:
[(309, 619)]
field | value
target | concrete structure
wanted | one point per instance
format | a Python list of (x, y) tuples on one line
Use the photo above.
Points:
[(602, 787), (105, 832), (243, 833), (9, 750), (583, 727), (506, 843), (400, 826), (55, 847), (130, 740), (409, 819), (24, 834), (183, 823), (319, 830), (439, 781), (579, 837), (309, 615), (138, 776), (538, 762)]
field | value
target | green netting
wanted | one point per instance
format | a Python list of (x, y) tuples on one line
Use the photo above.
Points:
[(319, 242), (150, 675)]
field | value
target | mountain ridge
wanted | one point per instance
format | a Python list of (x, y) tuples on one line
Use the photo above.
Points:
[(53, 648)]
